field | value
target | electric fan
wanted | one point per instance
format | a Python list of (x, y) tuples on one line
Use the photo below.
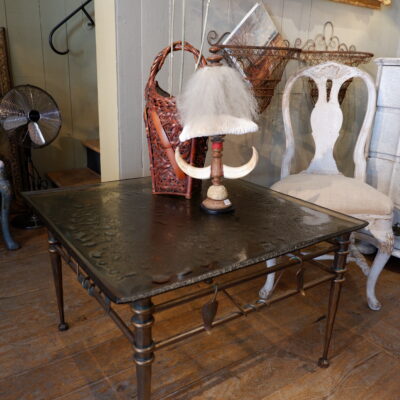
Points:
[(33, 116)]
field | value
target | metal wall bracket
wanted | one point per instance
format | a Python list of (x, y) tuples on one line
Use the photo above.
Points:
[(65, 20)]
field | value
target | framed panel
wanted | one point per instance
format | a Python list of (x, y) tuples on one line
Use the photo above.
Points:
[(375, 4)]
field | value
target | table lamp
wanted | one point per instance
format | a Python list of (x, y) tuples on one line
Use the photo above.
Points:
[(216, 102)]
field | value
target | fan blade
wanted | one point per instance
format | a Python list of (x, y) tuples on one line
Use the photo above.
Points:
[(36, 134), (14, 104), (13, 122)]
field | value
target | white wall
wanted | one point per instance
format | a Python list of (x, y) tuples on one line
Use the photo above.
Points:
[(368, 30), (130, 94), (70, 79), (108, 91), (141, 32)]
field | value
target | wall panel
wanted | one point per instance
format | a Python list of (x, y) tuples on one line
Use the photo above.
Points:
[(70, 79), (130, 98), (83, 79), (57, 83), (25, 38)]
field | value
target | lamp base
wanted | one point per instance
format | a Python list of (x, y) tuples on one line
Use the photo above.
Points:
[(215, 207)]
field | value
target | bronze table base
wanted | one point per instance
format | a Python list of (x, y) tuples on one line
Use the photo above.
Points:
[(143, 310)]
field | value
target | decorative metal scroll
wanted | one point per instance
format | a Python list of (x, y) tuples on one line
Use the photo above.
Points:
[(214, 39), (65, 20), (325, 47), (325, 41), (263, 66)]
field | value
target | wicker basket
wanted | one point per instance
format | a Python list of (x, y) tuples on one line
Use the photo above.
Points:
[(262, 66), (163, 130)]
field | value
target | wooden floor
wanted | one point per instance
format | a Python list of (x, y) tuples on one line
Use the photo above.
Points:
[(271, 355)]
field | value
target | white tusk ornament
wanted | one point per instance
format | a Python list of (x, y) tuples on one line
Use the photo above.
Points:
[(194, 172), (205, 173), (242, 171)]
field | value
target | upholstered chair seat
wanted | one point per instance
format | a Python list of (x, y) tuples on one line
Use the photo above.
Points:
[(337, 192)]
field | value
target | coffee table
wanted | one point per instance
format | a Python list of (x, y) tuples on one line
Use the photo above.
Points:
[(126, 245)]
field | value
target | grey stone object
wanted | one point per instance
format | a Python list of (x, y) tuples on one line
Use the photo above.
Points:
[(5, 201)]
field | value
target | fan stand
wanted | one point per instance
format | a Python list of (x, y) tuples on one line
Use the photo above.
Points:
[(28, 220), (32, 117)]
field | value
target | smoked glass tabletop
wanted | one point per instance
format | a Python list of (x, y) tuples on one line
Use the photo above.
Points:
[(134, 244)]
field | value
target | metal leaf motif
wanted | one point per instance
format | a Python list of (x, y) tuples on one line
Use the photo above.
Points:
[(208, 312)]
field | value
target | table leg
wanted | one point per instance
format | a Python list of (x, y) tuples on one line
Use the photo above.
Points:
[(339, 268), (57, 277), (143, 346)]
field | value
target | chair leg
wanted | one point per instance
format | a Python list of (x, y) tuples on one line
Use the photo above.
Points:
[(379, 263), (365, 247), (358, 257), (5, 192), (382, 238), (266, 290)]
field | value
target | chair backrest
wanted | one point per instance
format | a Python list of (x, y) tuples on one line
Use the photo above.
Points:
[(327, 118)]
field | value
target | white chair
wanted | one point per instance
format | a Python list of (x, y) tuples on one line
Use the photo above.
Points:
[(322, 183)]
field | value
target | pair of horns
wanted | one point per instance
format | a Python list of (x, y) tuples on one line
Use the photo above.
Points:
[(205, 173)]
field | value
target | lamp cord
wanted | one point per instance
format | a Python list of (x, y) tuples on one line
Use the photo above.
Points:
[(171, 39), (183, 44)]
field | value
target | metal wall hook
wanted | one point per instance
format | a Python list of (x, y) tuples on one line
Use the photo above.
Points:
[(214, 39), (66, 19)]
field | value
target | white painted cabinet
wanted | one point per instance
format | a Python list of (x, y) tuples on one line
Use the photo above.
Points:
[(384, 151)]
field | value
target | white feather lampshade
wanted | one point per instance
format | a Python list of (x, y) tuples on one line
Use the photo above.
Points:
[(217, 125), (216, 101)]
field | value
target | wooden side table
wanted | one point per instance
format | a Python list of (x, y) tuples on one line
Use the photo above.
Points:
[(384, 153)]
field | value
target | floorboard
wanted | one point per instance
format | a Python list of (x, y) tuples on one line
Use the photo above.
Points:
[(270, 355)]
